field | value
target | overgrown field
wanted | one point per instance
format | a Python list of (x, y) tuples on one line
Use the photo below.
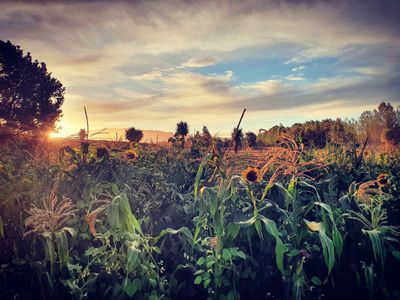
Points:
[(92, 222)]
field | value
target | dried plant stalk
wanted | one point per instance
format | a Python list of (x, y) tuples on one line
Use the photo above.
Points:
[(52, 217)]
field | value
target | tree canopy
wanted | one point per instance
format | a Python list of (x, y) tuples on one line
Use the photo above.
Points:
[(182, 130), (381, 125), (30, 98)]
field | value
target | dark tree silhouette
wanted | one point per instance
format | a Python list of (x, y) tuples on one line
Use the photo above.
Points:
[(388, 115), (134, 135), (182, 130), (237, 137), (206, 136), (251, 139), (30, 98)]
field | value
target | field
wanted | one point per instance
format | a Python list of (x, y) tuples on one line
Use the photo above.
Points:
[(114, 220)]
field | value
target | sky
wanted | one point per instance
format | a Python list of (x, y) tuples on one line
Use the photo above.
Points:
[(151, 64)]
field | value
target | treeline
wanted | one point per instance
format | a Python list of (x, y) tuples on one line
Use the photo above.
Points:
[(377, 128), (381, 126)]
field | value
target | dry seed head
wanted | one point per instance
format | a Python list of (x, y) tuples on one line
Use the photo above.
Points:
[(52, 217)]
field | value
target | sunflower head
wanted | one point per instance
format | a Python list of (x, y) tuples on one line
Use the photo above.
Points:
[(131, 154), (382, 180), (102, 152), (251, 175)]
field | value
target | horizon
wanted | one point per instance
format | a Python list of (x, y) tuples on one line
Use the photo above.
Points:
[(145, 65), (225, 134)]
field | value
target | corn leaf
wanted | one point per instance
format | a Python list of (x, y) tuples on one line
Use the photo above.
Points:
[(199, 174), (271, 228), (62, 247), (377, 245), (328, 250), (184, 230)]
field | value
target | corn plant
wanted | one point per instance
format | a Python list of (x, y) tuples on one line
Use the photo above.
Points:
[(49, 225)]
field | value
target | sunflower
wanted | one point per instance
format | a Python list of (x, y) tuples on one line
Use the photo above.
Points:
[(382, 180), (313, 226), (251, 175), (214, 242), (131, 154), (102, 152)]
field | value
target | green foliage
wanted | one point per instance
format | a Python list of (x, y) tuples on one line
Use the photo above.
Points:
[(168, 225)]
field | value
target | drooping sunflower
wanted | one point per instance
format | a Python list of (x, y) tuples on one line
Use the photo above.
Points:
[(313, 226), (251, 175), (131, 154), (102, 152), (382, 180)]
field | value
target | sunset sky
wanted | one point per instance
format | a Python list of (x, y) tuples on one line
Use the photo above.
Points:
[(150, 64)]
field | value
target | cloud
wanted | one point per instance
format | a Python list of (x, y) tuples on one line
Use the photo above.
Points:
[(200, 62), (295, 77), (299, 68), (266, 87), (372, 70), (349, 92), (148, 76), (143, 61)]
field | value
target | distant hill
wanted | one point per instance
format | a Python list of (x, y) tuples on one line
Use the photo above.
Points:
[(148, 135)]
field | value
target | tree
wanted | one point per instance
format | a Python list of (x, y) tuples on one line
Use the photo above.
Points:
[(251, 139), (388, 115), (30, 98), (390, 138), (182, 130), (237, 138), (133, 135)]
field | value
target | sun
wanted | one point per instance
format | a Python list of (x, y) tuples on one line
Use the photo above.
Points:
[(53, 135)]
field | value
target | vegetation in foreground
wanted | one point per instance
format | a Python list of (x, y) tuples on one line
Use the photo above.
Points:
[(164, 224)]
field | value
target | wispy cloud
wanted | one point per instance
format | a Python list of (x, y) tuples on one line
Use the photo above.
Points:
[(200, 62), (292, 77), (148, 76), (299, 68)]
